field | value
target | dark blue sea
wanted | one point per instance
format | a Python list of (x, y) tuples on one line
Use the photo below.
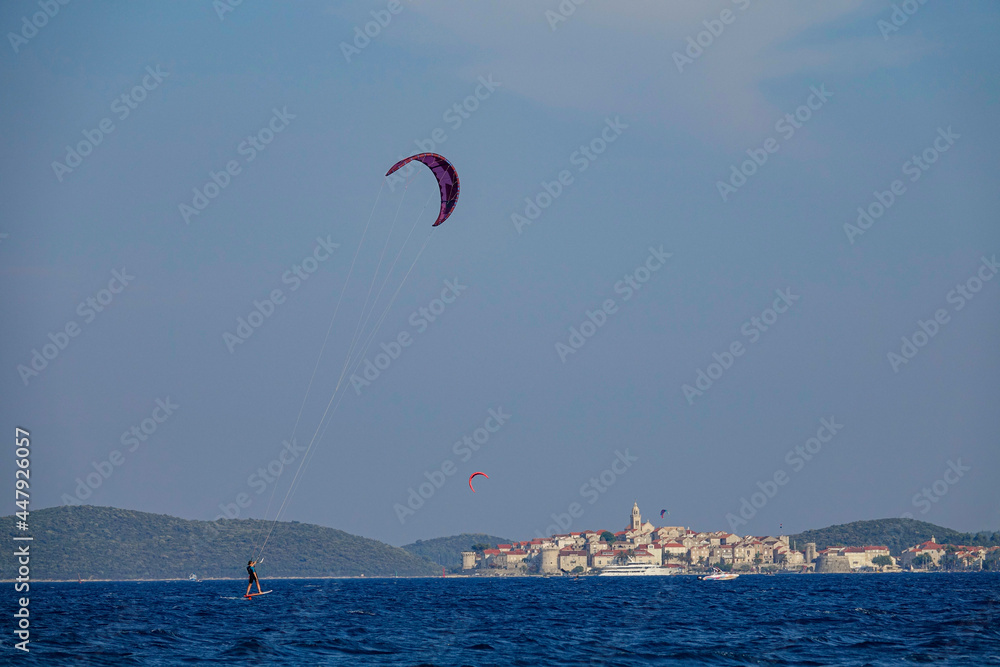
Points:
[(944, 619)]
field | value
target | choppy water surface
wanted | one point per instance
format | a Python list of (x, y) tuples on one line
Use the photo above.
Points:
[(783, 620)]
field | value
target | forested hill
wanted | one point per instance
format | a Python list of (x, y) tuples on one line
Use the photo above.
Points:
[(109, 543), (447, 551), (897, 534)]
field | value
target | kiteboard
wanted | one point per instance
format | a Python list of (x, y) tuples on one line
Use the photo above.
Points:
[(250, 595)]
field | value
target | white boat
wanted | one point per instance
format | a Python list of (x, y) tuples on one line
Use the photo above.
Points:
[(719, 575), (636, 570)]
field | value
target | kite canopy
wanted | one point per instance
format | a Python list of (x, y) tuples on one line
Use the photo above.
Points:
[(473, 475), (446, 176)]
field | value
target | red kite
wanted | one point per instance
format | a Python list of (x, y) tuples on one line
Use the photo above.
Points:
[(473, 475)]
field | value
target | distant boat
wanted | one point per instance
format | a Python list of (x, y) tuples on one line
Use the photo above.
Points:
[(633, 569), (718, 575), (193, 577)]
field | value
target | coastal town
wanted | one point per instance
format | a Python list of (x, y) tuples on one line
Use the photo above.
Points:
[(680, 550)]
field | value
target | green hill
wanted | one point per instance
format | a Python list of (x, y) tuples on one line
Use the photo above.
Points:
[(897, 534), (110, 543), (447, 551)]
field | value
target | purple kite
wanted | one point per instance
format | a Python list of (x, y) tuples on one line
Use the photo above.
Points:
[(446, 176)]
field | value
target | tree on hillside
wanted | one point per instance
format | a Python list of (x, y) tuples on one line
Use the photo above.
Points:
[(481, 546), (607, 536)]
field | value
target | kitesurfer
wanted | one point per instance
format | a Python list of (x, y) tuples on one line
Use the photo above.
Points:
[(253, 577)]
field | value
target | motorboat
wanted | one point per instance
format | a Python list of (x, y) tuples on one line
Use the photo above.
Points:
[(718, 575)]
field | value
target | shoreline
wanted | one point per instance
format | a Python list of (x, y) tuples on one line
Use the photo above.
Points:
[(474, 576)]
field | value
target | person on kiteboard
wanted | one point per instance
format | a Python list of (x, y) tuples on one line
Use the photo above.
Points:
[(253, 577)]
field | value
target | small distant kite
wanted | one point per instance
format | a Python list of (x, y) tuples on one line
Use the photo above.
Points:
[(446, 176), (662, 512), (473, 475)]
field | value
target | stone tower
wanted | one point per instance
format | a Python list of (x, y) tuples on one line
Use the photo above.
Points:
[(636, 517), (833, 563), (810, 552), (550, 560), (468, 560)]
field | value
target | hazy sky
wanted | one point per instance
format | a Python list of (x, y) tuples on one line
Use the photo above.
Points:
[(658, 287)]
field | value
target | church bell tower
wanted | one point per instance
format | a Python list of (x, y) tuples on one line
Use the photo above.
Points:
[(636, 517)]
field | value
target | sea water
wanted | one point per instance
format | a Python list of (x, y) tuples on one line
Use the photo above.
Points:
[(888, 619)]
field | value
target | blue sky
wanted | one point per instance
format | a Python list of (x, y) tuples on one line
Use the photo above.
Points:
[(868, 97)]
